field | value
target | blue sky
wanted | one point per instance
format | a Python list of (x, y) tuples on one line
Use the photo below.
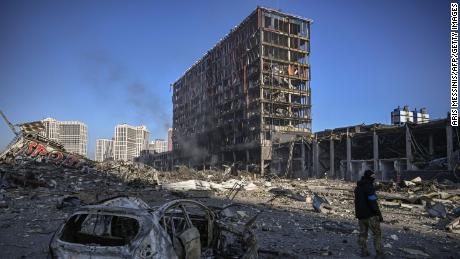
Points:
[(108, 62)]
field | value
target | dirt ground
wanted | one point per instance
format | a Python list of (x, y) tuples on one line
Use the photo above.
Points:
[(287, 227)]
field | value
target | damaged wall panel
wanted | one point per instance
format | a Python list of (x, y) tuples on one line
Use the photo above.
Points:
[(36, 147)]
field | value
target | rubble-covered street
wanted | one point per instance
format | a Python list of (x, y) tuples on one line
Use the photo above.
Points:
[(37, 197), (229, 129)]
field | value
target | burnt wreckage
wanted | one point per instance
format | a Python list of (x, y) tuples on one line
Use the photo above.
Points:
[(29, 144), (250, 92), (126, 227)]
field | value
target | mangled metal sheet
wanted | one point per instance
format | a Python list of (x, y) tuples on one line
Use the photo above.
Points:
[(126, 202), (30, 127), (36, 147)]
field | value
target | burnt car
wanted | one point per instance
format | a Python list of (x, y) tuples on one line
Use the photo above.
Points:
[(126, 227)]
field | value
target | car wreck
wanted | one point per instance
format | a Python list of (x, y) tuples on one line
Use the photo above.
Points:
[(126, 227)]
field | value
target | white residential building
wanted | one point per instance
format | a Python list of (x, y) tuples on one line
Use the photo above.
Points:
[(158, 145), (51, 129), (401, 116), (129, 141), (104, 149), (421, 116), (142, 139), (73, 135)]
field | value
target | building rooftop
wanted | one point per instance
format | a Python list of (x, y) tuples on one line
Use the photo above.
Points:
[(236, 28)]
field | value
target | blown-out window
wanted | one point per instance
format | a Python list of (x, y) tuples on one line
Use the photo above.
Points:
[(103, 230)]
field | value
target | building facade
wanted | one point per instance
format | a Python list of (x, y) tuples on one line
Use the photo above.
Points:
[(129, 141), (170, 145), (104, 149), (248, 93), (73, 135), (402, 116), (158, 146), (142, 139), (51, 129), (421, 116)]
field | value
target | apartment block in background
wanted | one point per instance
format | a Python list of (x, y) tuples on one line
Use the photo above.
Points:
[(74, 136), (51, 129), (405, 115), (400, 116), (250, 92), (421, 116), (170, 144), (129, 141), (104, 149), (142, 139), (158, 146)]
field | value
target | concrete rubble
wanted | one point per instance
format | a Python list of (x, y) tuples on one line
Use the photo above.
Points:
[(204, 185), (436, 210), (290, 218), (321, 204)]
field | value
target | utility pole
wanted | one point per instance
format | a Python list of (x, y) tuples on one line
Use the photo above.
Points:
[(9, 124)]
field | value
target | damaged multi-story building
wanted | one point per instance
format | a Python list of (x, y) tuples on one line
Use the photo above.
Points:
[(248, 93), (429, 149), (247, 102)]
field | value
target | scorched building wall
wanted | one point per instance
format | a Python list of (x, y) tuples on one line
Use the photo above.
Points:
[(250, 91)]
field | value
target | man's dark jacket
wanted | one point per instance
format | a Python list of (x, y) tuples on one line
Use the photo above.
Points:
[(365, 199)]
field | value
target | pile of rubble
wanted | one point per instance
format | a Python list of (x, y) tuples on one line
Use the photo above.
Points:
[(32, 161), (35, 161), (36, 172), (31, 173), (133, 174), (438, 200), (425, 198), (61, 184)]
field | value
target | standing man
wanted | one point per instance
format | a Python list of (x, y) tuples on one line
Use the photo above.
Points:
[(368, 213)]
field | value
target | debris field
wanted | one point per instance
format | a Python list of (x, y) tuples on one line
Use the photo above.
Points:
[(292, 218)]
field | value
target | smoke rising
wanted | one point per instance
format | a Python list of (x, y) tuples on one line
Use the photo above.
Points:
[(149, 105), (109, 80), (192, 149)]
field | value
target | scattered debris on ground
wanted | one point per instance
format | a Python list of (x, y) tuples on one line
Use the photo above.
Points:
[(37, 195)]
